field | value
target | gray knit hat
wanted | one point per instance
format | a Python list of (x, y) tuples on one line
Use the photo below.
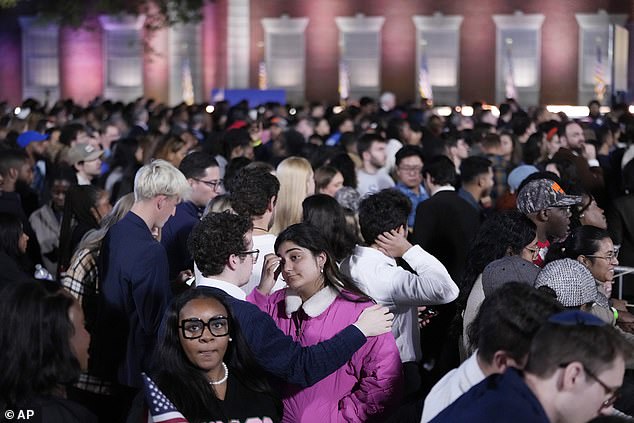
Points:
[(541, 194), (508, 269), (571, 281)]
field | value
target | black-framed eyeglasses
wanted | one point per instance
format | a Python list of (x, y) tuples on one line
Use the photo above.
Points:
[(612, 392), (253, 253), (215, 184), (610, 257), (194, 328), (410, 169), (534, 252)]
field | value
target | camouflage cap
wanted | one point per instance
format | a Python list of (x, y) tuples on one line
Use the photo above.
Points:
[(542, 194)]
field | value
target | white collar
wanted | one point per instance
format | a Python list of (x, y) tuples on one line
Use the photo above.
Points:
[(229, 288), (313, 306), (443, 188), (82, 180), (361, 251)]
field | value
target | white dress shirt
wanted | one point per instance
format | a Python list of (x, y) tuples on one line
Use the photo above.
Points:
[(401, 291), (451, 387)]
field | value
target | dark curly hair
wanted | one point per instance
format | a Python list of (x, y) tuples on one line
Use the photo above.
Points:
[(215, 238), (185, 384), (382, 212), (252, 189), (35, 349), (324, 212), (501, 234)]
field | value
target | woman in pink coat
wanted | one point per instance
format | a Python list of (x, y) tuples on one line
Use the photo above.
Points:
[(318, 303)]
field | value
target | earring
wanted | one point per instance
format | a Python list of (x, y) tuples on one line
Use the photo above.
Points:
[(230, 339)]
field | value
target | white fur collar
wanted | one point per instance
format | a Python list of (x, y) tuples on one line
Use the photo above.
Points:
[(313, 306)]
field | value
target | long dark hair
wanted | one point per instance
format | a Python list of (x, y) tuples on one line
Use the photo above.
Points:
[(582, 241), (501, 233), (35, 349), (185, 384), (10, 232), (80, 200), (307, 236), (324, 212)]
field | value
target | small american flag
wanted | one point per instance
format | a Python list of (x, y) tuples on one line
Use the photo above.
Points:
[(160, 408), (599, 76)]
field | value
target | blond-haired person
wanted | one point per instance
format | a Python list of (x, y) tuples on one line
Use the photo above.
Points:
[(296, 183), (135, 290)]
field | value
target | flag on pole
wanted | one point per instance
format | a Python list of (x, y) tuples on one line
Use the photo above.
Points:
[(263, 82), (344, 81), (187, 83), (424, 81), (599, 76), (509, 79), (160, 408)]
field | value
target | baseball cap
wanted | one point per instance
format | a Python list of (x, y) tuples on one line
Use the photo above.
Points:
[(542, 194), (83, 153), (572, 282), (26, 138), (508, 269), (518, 174), (278, 121)]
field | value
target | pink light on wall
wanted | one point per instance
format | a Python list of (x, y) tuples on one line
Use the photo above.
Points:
[(156, 67), (81, 63), (10, 67), (214, 27)]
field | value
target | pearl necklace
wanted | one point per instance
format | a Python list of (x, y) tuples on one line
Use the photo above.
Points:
[(224, 379)]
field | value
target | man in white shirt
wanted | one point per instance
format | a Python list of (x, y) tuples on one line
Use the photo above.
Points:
[(383, 221), (502, 331), (372, 177)]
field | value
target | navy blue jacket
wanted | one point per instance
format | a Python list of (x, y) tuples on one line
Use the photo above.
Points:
[(498, 398), (174, 237), (279, 355), (134, 294)]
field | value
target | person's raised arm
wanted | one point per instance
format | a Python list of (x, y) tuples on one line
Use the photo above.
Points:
[(281, 356)]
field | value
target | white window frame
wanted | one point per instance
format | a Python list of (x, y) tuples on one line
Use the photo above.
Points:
[(448, 26), (44, 92), (371, 25), (527, 95)]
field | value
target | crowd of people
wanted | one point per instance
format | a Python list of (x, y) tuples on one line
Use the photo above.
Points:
[(364, 262)]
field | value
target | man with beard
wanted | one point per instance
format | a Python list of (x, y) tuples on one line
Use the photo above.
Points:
[(476, 174), (583, 155), (372, 177)]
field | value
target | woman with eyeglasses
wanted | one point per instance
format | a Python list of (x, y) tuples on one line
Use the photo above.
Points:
[(319, 302), (205, 368), (587, 213), (508, 233), (593, 247)]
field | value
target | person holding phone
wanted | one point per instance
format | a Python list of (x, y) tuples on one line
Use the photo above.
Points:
[(372, 267)]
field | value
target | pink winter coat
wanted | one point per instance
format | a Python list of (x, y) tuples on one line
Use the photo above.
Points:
[(363, 388)]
